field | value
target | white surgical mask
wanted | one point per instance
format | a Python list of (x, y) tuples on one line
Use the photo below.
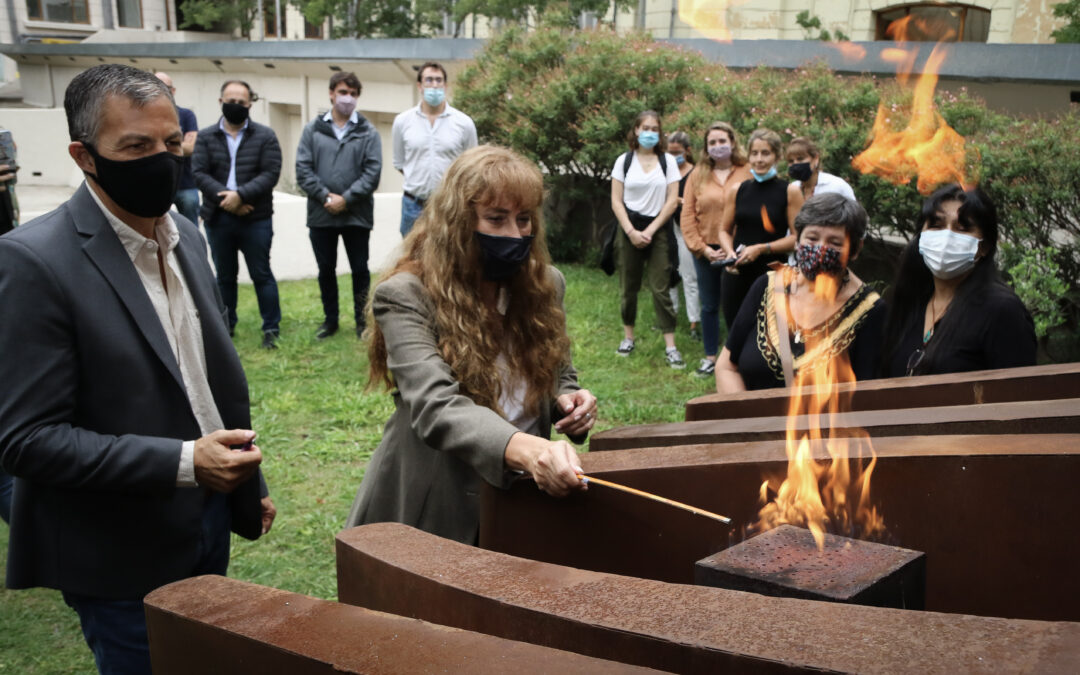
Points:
[(948, 254)]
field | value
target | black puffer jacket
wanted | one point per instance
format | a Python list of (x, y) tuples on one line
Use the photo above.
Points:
[(258, 165), (350, 167)]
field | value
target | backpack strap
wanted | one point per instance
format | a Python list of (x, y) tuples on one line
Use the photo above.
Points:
[(628, 159)]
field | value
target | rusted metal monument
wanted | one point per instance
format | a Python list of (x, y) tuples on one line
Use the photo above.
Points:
[(610, 577)]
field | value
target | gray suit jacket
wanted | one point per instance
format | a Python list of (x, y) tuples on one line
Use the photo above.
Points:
[(93, 410), (438, 445)]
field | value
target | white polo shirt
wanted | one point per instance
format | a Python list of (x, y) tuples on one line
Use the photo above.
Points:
[(424, 151)]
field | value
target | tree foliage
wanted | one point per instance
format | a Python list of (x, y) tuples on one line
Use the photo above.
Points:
[(224, 15), (567, 98), (1070, 32)]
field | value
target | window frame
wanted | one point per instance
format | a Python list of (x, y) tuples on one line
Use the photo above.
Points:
[(41, 12), (880, 24), (142, 16)]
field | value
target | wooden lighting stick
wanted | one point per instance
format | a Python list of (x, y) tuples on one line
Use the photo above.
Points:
[(655, 498)]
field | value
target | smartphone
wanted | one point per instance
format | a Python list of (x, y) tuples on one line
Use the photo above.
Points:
[(245, 447)]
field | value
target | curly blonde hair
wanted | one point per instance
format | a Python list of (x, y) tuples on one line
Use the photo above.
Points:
[(442, 252)]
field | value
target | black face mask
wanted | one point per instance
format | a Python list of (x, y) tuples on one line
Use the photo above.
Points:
[(234, 112), (502, 257), (800, 171), (145, 186)]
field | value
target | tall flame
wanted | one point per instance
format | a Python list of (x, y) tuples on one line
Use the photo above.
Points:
[(820, 490), (708, 17), (927, 147)]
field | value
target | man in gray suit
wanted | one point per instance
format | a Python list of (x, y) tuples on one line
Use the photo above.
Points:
[(123, 398)]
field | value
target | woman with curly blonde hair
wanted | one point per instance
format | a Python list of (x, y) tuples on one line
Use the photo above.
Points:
[(469, 333)]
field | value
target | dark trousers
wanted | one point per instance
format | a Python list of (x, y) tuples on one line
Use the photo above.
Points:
[(653, 263), (229, 235), (115, 630), (324, 242), (734, 288), (709, 283), (7, 485)]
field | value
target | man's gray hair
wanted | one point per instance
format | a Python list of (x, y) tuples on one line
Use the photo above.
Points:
[(86, 95)]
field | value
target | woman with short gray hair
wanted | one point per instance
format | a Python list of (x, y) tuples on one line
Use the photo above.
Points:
[(811, 315)]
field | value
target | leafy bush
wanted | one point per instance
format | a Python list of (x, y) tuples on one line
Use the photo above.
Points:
[(567, 98)]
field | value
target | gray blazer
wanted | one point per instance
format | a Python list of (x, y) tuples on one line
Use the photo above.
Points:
[(438, 445), (93, 410)]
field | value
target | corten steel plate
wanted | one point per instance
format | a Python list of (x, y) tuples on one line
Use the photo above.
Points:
[(785, 562), (212, 624), (687, 629), (1025, 417), (1034, 383), (994, 515)]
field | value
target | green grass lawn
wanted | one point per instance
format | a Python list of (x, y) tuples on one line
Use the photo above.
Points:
[(318, 425)]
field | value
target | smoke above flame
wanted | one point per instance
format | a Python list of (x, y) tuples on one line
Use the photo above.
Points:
[(827, 484), (708, 17), (926, 147)]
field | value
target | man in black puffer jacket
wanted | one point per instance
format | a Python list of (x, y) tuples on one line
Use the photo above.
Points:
[(236, 164), (338, 164)]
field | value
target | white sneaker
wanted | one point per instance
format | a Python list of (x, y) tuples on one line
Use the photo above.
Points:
[(674, 358), (707, 368), (625, 347)]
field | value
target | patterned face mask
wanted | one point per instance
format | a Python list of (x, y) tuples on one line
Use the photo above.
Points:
[(815, 259)]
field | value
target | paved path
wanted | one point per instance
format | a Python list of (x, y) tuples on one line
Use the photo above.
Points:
[(290, 256)]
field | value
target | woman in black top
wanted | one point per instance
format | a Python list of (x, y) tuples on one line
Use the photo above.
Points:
[(949, 310), (745, 234), (830, 316)]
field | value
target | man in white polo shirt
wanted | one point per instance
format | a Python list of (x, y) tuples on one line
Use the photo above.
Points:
[(427, 139)]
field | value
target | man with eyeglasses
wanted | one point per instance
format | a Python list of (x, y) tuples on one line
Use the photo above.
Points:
[(427, 139), (236, 164)]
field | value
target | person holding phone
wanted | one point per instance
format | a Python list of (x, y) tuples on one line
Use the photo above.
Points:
[(468, 332)]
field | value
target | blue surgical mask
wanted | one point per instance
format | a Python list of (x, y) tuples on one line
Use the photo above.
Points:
[(434, 95), (680, 159), (648, 139), (761, 178)]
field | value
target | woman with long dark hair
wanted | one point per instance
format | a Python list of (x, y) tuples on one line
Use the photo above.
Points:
[(468, 333), (644, 194), (949, 310)]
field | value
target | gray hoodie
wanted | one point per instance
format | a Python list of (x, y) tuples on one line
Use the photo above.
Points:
[(350, 167)]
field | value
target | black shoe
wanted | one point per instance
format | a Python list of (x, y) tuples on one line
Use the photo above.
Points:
[(360, 331), (325, 330), (269, 340), (232, 331)]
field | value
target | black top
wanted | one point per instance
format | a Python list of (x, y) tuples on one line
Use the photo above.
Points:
[(749, 228), (258, 166), (999, 334), (187, 123), (856, 327)]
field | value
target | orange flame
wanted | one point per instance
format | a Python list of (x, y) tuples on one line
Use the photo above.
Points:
[(849, 50), (820, 491), (708, 17), (927, 147), (765, 222)]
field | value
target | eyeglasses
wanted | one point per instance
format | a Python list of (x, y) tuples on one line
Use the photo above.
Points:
[(915, 360), (434, 80)]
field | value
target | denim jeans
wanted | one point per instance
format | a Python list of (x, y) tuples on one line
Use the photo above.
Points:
[(324, 244), (228, 235), (187, 203), (410, 211), (708, 282), (115, 630)]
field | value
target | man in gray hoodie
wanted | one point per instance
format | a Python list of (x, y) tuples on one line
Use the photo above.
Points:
[(338, 165)]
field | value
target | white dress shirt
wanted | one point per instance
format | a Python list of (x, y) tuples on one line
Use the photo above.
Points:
[(424, 151), (353, 120), (175, 309), (826, 183)]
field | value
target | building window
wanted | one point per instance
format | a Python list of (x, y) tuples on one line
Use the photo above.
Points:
[(129, 13), (64, 11), (936, 23), (312, 30), (270, 21)]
